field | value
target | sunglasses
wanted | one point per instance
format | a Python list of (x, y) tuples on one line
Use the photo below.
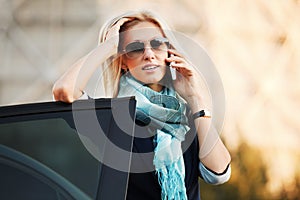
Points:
[(137, 48)]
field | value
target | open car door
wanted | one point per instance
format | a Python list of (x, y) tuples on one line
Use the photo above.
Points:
[(54, 150)]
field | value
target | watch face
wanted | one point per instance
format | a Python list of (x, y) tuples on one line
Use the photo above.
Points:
[(202, 113), (207, 114)]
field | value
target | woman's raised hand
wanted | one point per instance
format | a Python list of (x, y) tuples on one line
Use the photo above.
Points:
[(188, 79), (112, 35)]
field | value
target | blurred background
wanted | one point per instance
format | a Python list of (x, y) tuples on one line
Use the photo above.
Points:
[(255, 45)]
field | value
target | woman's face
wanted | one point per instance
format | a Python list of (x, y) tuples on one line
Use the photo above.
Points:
[(148, 67)]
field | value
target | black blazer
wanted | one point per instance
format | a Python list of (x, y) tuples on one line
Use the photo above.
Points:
[(145, 185)]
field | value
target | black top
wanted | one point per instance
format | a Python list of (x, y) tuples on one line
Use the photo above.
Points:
[(145, 185)]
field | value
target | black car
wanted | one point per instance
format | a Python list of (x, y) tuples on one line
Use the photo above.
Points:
[(55, 150)]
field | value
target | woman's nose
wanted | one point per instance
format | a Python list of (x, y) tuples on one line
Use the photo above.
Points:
[(149, 53)]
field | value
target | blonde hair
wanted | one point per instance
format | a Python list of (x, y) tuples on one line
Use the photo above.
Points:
[(111, 68)]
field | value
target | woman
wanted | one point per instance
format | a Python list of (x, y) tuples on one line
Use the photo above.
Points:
[(135, 52)]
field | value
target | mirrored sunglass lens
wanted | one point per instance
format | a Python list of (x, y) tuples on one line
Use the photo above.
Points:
[(134, 49), (159, 44)]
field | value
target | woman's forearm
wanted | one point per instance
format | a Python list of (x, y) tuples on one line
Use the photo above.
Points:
[(212, 151), (71, 84)]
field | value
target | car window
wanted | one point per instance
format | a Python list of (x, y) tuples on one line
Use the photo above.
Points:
[(61, 139), (55, 144)]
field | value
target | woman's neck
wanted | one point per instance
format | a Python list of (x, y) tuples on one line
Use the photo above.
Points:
[(156, 87)]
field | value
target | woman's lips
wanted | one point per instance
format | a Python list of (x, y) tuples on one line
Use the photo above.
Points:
[(150, 67)]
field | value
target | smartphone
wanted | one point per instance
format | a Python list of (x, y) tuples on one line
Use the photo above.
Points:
[(173, 70)]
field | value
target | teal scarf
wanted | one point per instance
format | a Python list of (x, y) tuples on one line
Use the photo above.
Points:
[(163, 112)]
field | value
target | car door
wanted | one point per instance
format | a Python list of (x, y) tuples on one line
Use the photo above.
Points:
[(54, 150)]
